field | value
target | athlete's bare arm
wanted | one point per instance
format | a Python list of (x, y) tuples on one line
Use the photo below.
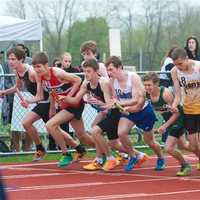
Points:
[(65, 77), (177, 88), (168, 98), (138, 95), (39, 95), (77, 98), (13, 89)]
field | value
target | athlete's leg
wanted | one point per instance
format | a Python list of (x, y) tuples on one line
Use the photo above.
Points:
[(124, 127), (53, 127), (78, 126), (170, 148), (150, 140), (27, 123)]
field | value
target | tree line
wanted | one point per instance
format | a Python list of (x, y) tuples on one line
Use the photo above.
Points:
[(150, 27)]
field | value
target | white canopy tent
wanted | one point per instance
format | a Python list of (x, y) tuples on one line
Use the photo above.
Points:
[(15, 29)]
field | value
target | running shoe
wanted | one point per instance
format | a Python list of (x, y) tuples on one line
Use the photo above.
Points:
[(94, 165), (110, 164), (78, 156), (38, 155), (185, 170), (121, 160), (65, 160), (141, 160), (160, 165), (132, 161)]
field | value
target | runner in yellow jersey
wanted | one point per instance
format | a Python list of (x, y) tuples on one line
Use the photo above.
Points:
[(186, 74)]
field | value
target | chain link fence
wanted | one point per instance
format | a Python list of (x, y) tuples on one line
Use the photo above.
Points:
[(89, 114)]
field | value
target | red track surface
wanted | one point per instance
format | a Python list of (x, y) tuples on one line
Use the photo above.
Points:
[(41, 181)]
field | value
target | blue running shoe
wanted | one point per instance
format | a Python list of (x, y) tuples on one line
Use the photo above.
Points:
[(160, 164), (130, 164)]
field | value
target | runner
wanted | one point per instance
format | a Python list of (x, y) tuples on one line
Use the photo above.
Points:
[(130, 94), (26, 77), (61, 84), (161, 99), (186, 74)]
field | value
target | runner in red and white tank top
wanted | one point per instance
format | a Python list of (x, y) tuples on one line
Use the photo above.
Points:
[(58, 90), (61, 84)]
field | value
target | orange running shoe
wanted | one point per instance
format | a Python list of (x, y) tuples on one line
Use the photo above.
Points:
[(121, 160), (38, 155), (94, 165), (141, 161), (110, 164), (78, 156)]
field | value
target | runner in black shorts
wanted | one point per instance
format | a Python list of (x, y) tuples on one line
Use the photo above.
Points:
[(97, 91), (161, 99), (26, 76), (60, 84)]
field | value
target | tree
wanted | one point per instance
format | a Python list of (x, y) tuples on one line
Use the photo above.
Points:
[(56, 17), (17, 8), (94, 28)]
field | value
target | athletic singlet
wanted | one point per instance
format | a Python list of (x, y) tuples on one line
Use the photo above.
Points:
[(55, 87), (162, 107), (31, 86), (96, 93), (191, 85), (125, 94)]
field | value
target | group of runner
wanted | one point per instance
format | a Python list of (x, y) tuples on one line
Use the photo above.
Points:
[(122, 100)]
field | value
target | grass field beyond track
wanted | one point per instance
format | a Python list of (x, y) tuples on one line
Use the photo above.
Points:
[(50, 157)]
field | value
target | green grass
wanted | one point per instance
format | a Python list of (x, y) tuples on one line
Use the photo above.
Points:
[(51, 157)]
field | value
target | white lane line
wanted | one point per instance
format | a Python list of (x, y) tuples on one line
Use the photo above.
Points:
[(189, 156), (74, 172), (37, 164), (113, 172), (36, 169), (126, 196), (24, 167), (88, 184), (34, 175)]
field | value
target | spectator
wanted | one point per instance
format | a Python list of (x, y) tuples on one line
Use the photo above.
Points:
[(66, 60), (1, 72), (57, 62), (27, 59), (192, 48), (27, 52), (167, 65), (89, 51)]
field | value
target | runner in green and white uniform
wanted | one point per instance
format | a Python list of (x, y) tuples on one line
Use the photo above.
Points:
[(161, 99)]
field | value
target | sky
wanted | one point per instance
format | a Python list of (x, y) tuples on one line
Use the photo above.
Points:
[(3, 4)]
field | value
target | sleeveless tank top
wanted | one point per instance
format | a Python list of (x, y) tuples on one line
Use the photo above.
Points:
[(161, 107), (96, 93), (191, 86), (56, 88), (31, 86), (125, 94)]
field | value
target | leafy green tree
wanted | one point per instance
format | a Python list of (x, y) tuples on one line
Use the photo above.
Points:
[(94, 28)]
